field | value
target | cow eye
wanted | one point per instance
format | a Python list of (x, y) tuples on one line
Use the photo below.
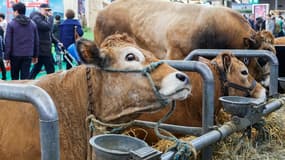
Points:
[(244, 73), (130, 57)]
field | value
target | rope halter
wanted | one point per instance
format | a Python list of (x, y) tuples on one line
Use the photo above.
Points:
[(227, 84), (146, 71)]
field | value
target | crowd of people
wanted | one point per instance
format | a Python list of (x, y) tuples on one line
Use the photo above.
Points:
[(26, 41), (273, 23)]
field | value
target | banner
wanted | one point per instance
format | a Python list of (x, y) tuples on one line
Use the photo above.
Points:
[(260, 10), (32, 5)]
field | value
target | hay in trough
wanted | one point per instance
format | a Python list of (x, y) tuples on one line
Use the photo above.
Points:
[(164, 145), (270, 146)]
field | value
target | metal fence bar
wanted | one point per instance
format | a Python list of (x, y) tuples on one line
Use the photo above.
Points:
[(273, 87), (196, 131), (228, 128), (49, 132), (208, 95)]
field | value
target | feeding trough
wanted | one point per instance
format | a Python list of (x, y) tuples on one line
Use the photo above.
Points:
[(241, 106), (282, 82), (115, 146)]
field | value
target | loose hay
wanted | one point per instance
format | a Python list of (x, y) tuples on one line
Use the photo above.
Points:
[(271, 148), (237, 146), (164, 145)]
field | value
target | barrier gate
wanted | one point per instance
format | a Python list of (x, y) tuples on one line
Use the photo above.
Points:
[(49, 132)]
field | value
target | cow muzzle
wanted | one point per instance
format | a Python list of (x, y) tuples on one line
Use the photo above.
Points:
[(175, 86)]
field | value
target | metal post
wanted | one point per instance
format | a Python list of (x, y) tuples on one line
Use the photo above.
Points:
[(273, 87), (228, 128), (49, 132), (276, 4), (195, 131), (208, 96)]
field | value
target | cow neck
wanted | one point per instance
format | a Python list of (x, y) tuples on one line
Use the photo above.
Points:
[(90, 111)]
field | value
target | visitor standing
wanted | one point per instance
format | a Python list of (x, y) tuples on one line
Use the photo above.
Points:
[(44, 22), (2, 65), (55, 33), (21, 43), (3, 22), (251, 21), (270, 23), (68, 30), (260, 24)]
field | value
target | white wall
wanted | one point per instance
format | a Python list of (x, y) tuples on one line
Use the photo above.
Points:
[(71, 4), (92, 7)]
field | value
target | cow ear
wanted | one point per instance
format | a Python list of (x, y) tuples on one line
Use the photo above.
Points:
[(249, 42), (227, 61), (89, 53)]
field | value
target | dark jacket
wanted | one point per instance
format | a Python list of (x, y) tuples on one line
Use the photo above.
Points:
[(44, 26), (1, 47), (67, 31), (55, 30), (21, 38)]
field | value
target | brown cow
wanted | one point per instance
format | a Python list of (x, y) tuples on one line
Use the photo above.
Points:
[(189, 112), (172, 30), (118, 97), (279, 41)]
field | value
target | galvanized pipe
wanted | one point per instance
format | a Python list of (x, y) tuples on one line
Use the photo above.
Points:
[(229, 128), (196, 131), (49, 132), (208, 94), (273, 87), (208, 90)]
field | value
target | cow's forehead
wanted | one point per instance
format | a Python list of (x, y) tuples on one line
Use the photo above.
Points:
[(238, 65), (122, 51)]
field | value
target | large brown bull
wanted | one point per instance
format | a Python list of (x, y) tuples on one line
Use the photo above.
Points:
[(231, 77), (279, 41), (172, 30), (117, 97)]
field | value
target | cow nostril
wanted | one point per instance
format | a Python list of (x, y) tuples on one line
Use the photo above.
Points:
[(181, 77)]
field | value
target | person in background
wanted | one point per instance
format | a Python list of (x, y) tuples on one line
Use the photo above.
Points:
[(3, 23), (280, 21), (260, 24), (2, 65), (270, 23), (55, 33), (67, 30), (251, 21), (44, 22), (56, 24), (21, 43)]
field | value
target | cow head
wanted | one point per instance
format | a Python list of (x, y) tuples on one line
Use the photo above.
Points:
[(259, 67), (235, 77), (132, 80)]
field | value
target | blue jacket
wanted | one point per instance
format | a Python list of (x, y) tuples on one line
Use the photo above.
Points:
[(21, 38), (67, 31)]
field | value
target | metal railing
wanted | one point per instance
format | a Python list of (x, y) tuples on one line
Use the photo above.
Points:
[(273, 87), (49, 132)]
